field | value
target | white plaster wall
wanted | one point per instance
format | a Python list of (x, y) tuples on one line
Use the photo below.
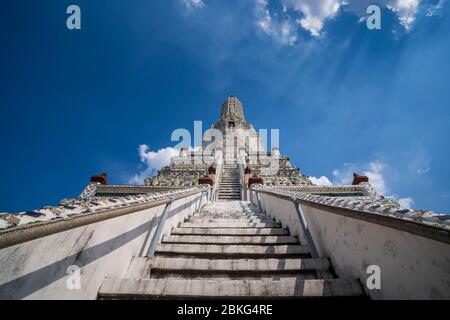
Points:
[(412, 266), (283, 212), (37, 269)]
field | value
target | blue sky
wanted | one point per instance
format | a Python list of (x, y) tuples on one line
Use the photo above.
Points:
[(345, 98)]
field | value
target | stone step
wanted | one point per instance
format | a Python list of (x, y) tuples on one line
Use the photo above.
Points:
[(120, 288), (236, 208), (187, 265), (230, 216), (232, 250), (230, 224), (207, 211), (230, 239), (219, 220), (231, 231), (228, 211), (234, 195), (246, 275)]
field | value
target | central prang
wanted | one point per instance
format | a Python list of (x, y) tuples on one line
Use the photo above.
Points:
[(232, 114)]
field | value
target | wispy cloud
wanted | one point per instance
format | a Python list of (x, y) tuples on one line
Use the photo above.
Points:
[(314, 13), (311, 15), (376, 171), (406, 203), (406, 11), (322, 181), (282, 19), (282, 29), (153, 161), (192, 4)]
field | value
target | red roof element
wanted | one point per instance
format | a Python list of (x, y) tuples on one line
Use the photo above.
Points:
[(102, 178), (206, 180), (255, 180), (357, 179)]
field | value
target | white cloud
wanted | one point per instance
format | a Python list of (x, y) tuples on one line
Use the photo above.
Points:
[(433, 10), (376, 171), (311, 15), (420, 163), (153, 160), (314, 12), (376, 178), (322, 181), (282, 30), (406, 11), (423, 170), (406, 203), (191, 4)]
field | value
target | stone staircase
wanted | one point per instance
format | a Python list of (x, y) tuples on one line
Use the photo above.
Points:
[(230, 186), (229, 250)]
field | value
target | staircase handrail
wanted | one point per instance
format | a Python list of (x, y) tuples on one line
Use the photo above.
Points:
[(241, 169), (215, 188)]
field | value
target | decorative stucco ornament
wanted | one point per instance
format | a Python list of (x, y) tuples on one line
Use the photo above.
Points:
[(155, 181)]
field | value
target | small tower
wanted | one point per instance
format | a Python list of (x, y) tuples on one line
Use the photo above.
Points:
[(232, 114)]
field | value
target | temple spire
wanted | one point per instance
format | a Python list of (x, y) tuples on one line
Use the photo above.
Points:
[(232, 111)]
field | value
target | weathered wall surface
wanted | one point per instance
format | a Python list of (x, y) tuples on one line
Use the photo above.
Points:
[(37, 269), (412, 266)]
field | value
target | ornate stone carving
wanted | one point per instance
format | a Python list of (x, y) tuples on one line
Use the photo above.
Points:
[(232, 111)]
